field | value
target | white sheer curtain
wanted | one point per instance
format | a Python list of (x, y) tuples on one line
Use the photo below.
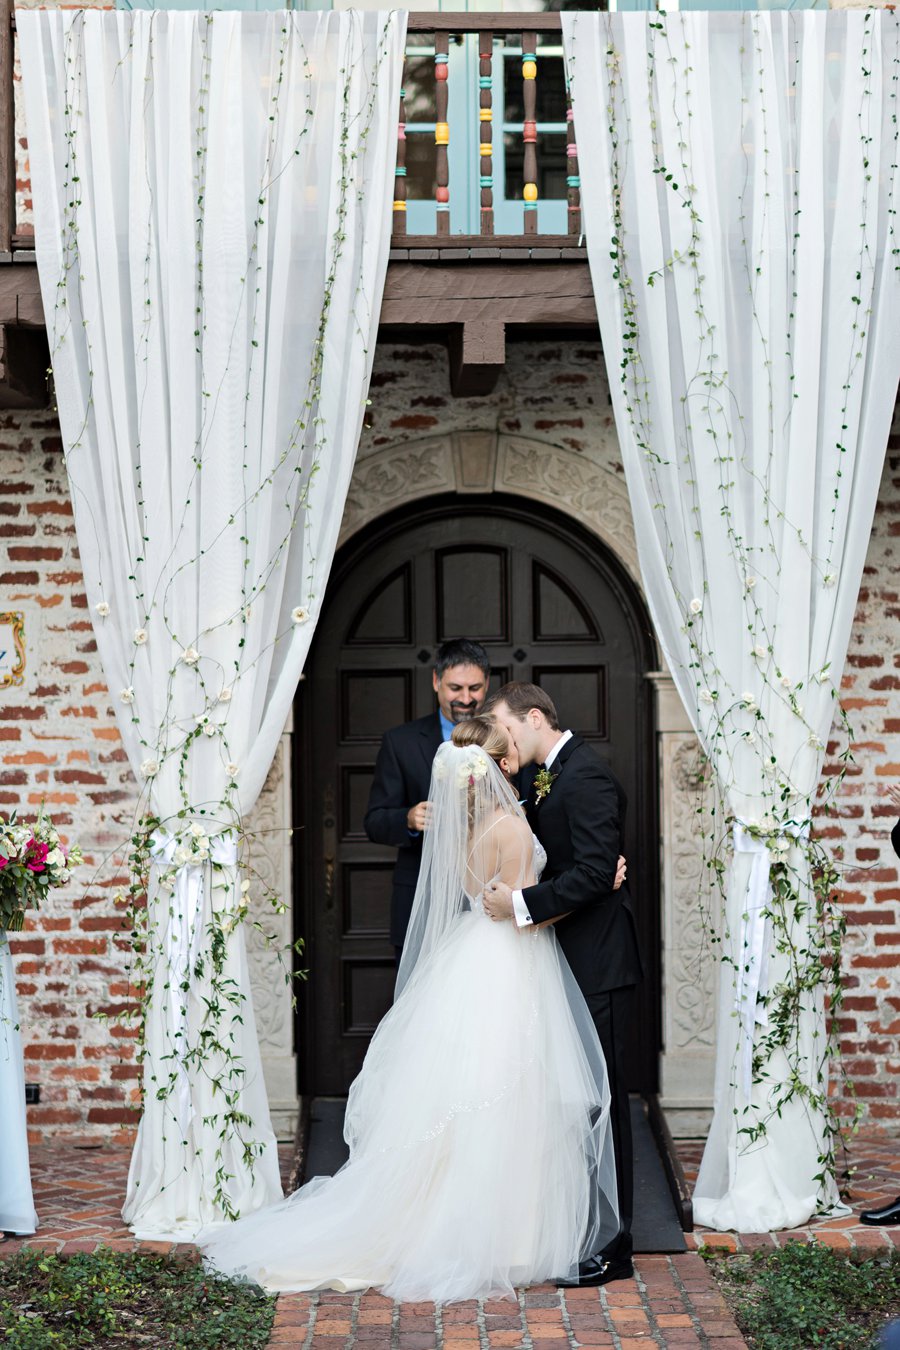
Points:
[(739, 185), (212, 200)]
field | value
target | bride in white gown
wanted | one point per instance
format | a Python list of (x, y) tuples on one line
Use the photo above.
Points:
[(480, 1150)]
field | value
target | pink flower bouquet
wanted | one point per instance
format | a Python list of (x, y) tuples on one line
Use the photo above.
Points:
[(32, 862)]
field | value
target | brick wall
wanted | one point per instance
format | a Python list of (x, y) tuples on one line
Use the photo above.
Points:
[(58, 740)]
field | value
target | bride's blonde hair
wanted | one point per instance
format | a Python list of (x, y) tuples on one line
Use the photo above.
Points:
[(483, 731)]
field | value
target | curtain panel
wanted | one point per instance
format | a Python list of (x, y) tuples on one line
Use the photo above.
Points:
[(212, 212), (739, 189)]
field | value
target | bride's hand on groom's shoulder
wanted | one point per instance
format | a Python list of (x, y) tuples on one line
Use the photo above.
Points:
[(621, 868)]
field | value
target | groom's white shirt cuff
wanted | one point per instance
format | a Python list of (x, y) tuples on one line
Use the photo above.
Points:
[(520, 909)]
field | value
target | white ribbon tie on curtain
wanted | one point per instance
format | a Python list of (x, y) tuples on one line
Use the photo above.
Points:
[(753, 971), (181, 943)]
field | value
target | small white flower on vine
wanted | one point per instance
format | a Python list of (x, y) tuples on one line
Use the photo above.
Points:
[(210, 729), (247, 611), (149, 767), (768, 821), (190, 656), (300, 614), (707, 696), (749, 583), (780, 845), (225, 695), (245, 886), (126, 695), (829, 579), (182, 856), (748, 701), (749, 737), (786, 682), (231, 768), (140, 637), (202, 720), (197, 830), (102, 609), (695, 606), (814, 742), (760, 652)]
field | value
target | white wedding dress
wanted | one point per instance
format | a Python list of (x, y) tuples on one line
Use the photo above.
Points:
[(480, 1156), (17, 1213)]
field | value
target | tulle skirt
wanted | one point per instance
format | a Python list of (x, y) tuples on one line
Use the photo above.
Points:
[(480, 1156)]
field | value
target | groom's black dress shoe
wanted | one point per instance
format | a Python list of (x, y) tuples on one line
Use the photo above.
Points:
[(887, 1214), (598, 1270)]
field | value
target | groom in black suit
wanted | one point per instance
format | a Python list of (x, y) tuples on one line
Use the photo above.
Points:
[(576, 808), (398, 807)]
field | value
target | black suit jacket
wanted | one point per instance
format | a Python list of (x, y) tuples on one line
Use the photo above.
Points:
[(580, 823), (895, 838), (402, 779)]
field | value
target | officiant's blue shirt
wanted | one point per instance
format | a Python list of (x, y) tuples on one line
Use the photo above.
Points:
[(446, 726)]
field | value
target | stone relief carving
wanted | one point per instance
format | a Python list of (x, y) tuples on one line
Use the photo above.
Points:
[(397, 475), (270, 866), (691, 965)]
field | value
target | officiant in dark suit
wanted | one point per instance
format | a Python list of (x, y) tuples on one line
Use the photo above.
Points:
[(398, 802)]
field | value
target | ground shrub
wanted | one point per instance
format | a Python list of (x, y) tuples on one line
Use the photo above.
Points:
[(126, 1300), (806, 1296)]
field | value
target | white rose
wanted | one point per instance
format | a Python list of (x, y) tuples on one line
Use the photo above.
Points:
[(749, 738), (750, 583), (182, 856), (190, 656), (695, 606), (231, 768), (126, 695), (225, 695), (760, 652), (829, 579), (706, 696), (56, 858), (814, 742), (102, 609), (202, 720), (300, 614), (210, 729), (245, 886), (786, 682), (140, 637), (149, 767), (197, 830)]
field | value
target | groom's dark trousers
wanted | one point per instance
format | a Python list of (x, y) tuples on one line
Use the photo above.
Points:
[(580, 823)]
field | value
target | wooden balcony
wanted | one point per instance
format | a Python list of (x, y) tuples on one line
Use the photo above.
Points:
[(473, 153)]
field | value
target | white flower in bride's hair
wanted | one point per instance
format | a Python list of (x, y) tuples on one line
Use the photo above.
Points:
[(300, 614), (695, 606), (102, 609)]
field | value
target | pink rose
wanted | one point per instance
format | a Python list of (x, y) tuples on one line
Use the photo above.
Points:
[(3, 861), (36, 855)]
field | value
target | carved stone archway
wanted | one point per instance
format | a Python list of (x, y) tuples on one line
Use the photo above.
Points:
[(594, 494)]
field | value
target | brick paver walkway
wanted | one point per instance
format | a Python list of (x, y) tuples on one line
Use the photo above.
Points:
[(672, 1301)]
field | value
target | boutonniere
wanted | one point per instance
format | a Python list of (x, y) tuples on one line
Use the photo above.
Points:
[(543, 782)]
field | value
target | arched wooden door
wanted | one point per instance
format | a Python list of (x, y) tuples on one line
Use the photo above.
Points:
[(551, 606)]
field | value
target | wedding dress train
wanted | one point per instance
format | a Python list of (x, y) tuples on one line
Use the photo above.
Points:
[(480, 1156)]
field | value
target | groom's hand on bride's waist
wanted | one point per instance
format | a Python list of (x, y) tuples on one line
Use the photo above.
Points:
[(498, 901)]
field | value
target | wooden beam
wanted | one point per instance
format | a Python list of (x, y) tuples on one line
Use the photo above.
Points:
[(551, 294), (20, 294), (24, 362), (500, 22), (477, 355)]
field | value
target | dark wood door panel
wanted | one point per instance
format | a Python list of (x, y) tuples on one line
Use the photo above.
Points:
[(550, 606)]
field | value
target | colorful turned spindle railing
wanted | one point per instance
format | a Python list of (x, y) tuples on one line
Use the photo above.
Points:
[(573, 181), (529, 131), (399, 222), (442, 132), (485, 130)]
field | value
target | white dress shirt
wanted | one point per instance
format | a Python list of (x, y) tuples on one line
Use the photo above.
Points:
[(520, 909)]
